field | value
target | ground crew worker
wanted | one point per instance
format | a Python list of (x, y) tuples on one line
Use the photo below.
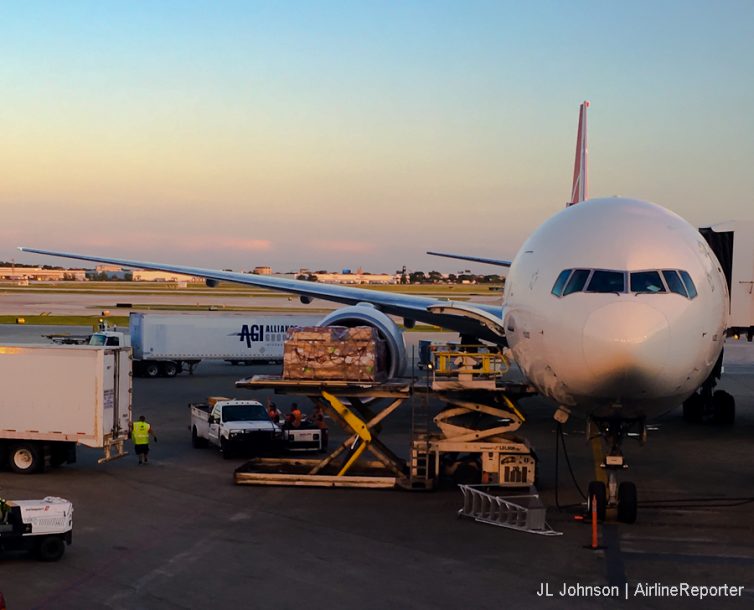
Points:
[(273, 412), (318, 418), (294, 417), (140, 432)]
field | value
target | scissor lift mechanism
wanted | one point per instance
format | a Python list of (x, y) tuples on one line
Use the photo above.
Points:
[(361, 424), (502, 460)]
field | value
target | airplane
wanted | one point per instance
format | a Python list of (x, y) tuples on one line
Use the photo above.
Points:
[(614, 308)]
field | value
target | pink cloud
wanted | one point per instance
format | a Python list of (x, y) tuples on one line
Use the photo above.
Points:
[(176, 243)]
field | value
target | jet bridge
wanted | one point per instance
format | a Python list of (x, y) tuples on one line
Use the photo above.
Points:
[(733, 244)]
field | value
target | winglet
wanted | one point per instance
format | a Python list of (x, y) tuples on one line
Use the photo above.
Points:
[(580, 190)]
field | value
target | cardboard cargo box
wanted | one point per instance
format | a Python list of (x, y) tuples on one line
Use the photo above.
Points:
[(334, 353)]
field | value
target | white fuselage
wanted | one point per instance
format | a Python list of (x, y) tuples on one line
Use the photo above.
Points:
[(630, 352)]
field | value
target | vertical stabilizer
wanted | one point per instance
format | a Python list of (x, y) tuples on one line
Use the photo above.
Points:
[(580, 191)]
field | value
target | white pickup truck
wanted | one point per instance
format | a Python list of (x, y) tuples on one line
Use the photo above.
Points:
[(234, 426), (243, 427)]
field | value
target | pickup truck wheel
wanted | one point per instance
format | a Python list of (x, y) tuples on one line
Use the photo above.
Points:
[(24, 458), (225, 450), (169, 369), (50, 548), (151, 369), (197, 442)]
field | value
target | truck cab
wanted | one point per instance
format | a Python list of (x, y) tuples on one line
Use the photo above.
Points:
[(106, 336), (110, 337)]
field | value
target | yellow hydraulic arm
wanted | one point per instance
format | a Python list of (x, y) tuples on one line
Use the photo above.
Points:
[(357, 425)]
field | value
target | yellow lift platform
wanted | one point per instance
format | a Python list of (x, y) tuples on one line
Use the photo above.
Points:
[(473, 444)]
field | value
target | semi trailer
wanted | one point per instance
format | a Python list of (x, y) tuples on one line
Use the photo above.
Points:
[(166, 344)]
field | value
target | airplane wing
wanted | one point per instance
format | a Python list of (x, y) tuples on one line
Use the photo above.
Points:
[(482, 321), (476, 259)]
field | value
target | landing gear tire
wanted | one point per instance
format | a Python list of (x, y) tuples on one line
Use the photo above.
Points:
[(169, 369), (627, 502), (50, 548), (693, 409), (724, 408), (151, 369), (25, 458), (597, 494)]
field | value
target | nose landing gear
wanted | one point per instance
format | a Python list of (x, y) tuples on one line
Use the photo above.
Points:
[(621, 496)]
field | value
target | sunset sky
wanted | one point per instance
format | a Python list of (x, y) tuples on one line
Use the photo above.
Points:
[(348, 134)]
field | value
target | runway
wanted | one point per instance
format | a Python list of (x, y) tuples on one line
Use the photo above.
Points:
[(179, 534)]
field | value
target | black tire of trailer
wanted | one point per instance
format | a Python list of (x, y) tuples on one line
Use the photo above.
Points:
[(170, 368), (50, 548), (26, 457), (150, 368)]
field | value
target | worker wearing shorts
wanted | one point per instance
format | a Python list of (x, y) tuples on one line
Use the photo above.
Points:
[(140, 432)]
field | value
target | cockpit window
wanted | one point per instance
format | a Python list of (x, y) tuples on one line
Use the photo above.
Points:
[(607, 281), (674, 282), (689, 283), (557, 289), (577, 281), (647, 281), (615, 281)]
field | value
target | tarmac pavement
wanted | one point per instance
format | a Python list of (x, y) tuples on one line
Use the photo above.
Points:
[(178, 533)]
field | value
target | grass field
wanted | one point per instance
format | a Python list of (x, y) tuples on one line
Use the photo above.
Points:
[(227, 289), (90, 321), (456, 292)]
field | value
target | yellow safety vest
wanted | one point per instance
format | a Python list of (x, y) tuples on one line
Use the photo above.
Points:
[(140, 434)]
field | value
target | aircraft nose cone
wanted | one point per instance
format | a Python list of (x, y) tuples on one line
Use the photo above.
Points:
[(626, 346)]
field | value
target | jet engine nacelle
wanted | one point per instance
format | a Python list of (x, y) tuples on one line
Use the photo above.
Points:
[(365, 314)]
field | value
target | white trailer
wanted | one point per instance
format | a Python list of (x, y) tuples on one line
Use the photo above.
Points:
[(55, 397), (166, 344)]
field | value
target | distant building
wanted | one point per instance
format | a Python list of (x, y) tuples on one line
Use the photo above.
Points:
[(110, 272), (39, 274), (263, 270), (163, 276), (357, 278)]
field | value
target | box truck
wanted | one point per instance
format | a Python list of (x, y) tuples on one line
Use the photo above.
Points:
[(166, 344), (55, 397)]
